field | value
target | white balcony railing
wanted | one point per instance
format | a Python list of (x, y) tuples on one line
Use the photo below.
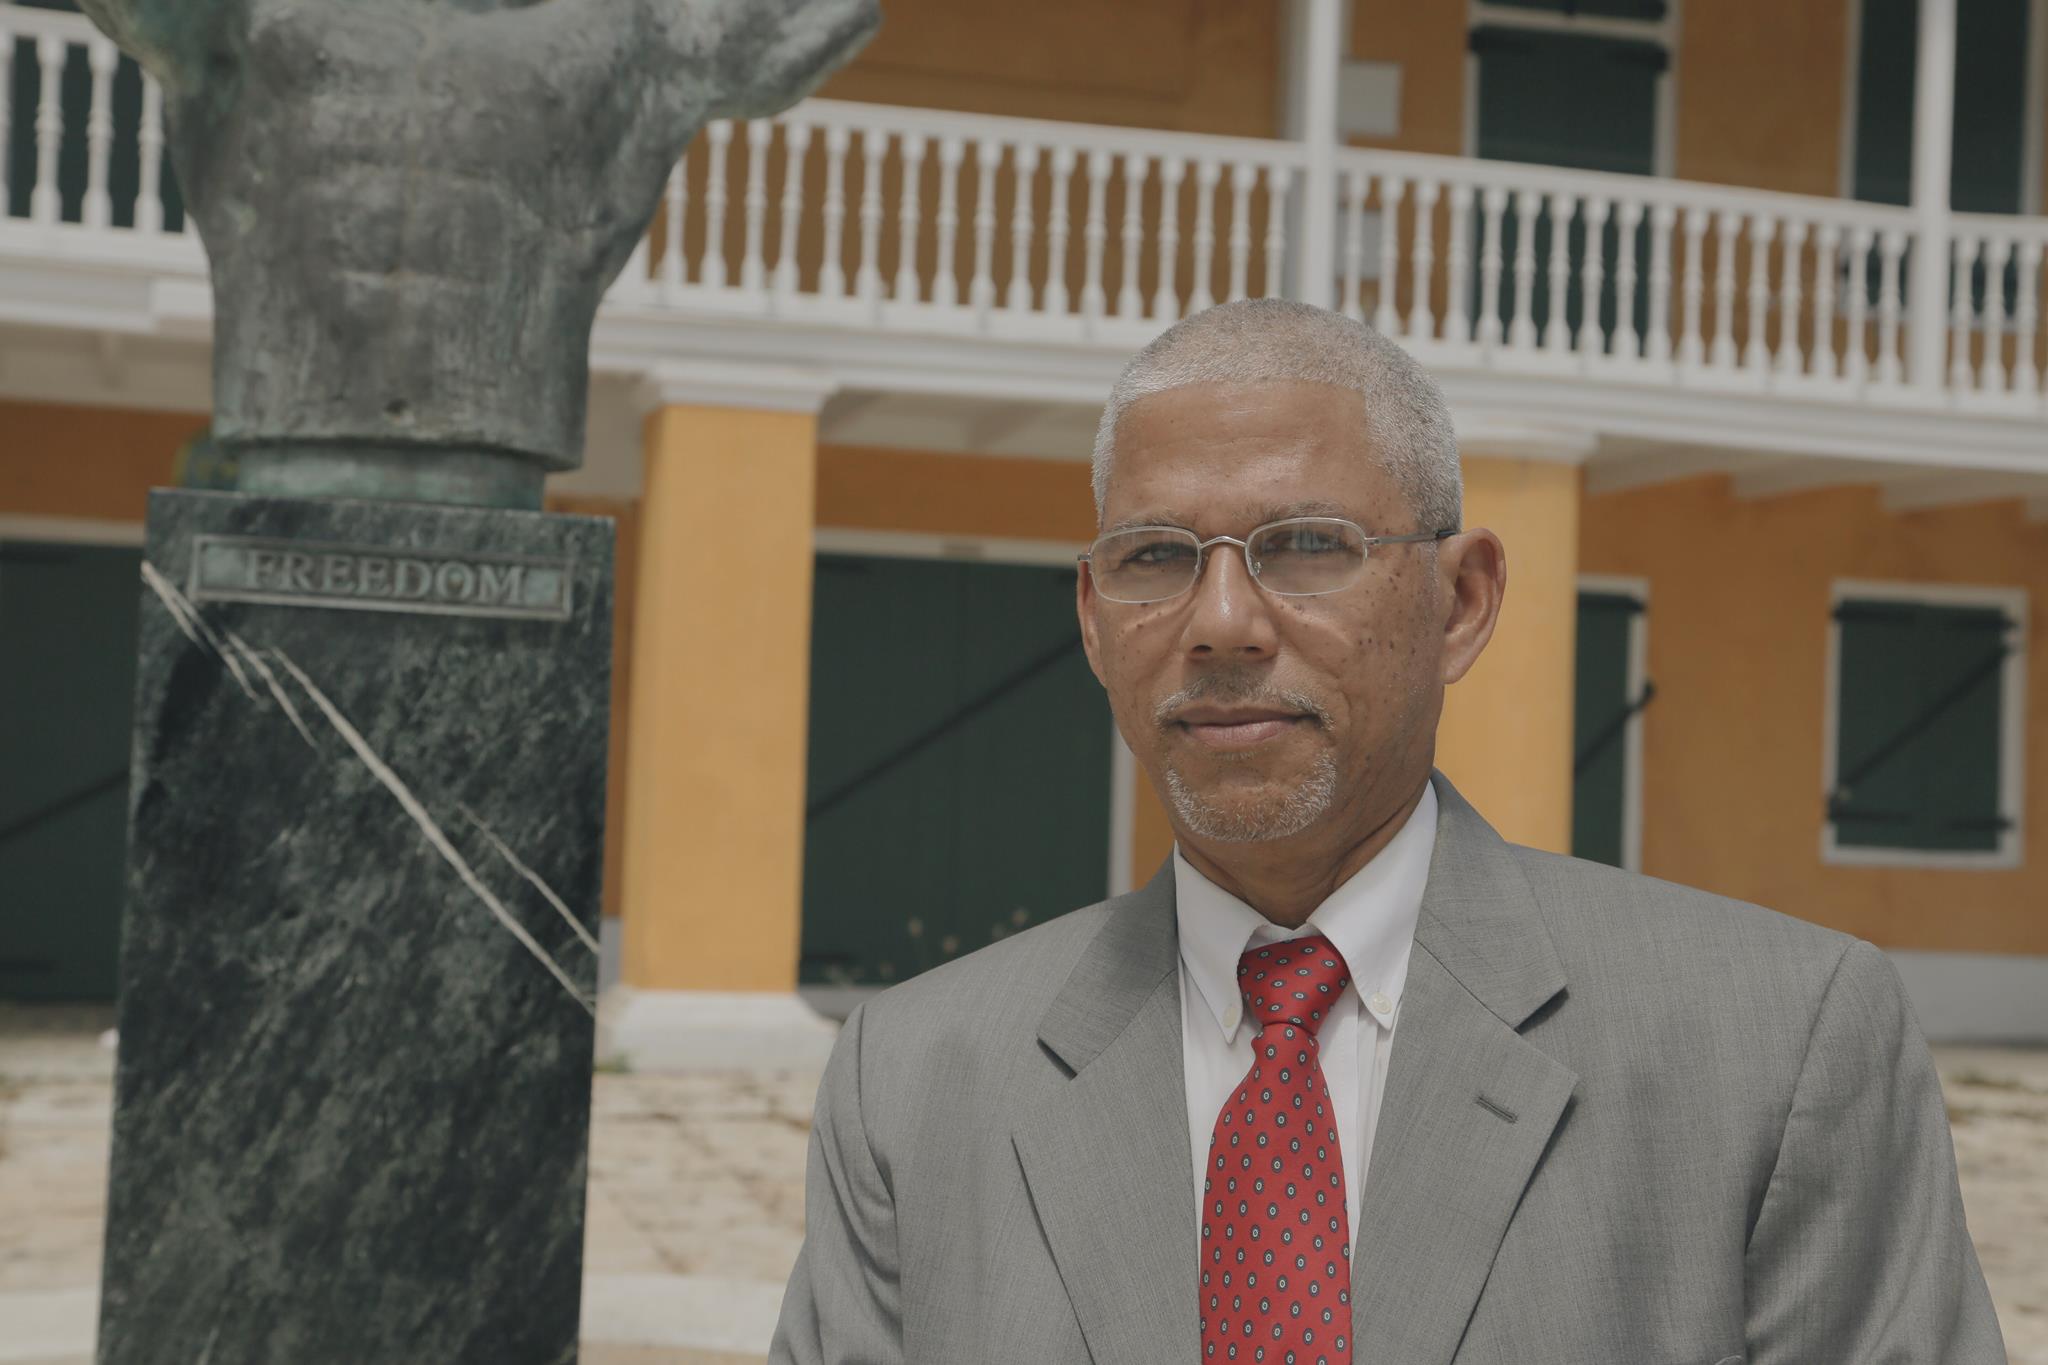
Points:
[(942, 224)]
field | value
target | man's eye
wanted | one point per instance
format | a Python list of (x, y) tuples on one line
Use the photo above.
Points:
[(1307, 542), (1158, 552)]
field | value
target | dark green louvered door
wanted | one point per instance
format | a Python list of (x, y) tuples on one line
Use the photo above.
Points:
[(959, 763), (1920, 695), (67, 684)]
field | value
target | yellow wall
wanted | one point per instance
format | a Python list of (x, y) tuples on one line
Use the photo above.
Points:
[(714, 811), (1759, 86), (1198, 65), (1505, 738), (95, 463), (1732, 745)]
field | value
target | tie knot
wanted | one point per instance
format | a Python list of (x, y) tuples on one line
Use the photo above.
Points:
[(1293, 982)]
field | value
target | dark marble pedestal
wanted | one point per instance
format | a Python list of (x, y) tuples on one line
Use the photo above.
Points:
[(358, 966)]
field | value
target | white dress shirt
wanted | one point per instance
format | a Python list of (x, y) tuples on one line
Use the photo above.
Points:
[(1371, 920)]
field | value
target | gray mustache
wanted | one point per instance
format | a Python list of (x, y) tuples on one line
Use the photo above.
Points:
[(1237, 687)]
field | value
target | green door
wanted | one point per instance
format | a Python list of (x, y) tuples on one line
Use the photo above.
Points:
[(1580, 100), (959, 770), (1602, 713), (67, 684)]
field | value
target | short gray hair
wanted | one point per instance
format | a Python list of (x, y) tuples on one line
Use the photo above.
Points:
[(1257, 340)]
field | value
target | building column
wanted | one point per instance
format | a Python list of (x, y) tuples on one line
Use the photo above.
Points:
[(1506, 735), (1934, 117), (714, 802)]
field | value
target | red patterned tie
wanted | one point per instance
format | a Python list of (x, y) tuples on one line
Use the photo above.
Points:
[(1276, 1242)]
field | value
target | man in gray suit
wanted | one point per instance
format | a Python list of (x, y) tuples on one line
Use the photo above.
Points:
[(1574, 1115)]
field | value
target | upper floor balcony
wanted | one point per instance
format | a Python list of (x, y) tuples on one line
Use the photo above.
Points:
[(925, 262)]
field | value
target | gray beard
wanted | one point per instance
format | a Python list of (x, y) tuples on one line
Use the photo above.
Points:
[(1244, 823)]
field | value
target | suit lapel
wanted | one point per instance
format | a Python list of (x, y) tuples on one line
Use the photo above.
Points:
[(1107, 1161), (1470, 1105)]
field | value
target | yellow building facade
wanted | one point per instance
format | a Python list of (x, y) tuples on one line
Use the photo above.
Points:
[(894, 352)]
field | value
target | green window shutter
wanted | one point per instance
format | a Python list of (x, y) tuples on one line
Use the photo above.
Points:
[(1990, 104), (1601, 712), (1918, 738)]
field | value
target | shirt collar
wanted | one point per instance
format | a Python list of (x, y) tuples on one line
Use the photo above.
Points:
[(1370, 919)]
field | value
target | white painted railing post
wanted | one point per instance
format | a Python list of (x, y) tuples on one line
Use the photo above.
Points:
[(1934, 97), (102, 56), (1317, 252), (44, 205), (149, 153)]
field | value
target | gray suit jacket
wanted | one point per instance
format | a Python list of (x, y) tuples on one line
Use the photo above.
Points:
[(1624, 1122)]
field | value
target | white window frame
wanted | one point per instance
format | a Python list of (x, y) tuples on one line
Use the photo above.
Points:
[(1663, 32), (1632, 733), (2012, 739)]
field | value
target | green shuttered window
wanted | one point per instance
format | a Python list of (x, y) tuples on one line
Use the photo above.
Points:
[(1920, 726)]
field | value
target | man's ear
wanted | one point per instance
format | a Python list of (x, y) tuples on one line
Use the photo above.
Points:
[(1084, 611), (1472, 568)]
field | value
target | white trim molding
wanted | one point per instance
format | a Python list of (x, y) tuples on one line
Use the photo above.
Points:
[(978, 549), (676, 1031), (733, 384), (2012, 749), (71, 530)]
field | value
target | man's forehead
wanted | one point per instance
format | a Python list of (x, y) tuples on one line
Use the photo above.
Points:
[(1195, 514)]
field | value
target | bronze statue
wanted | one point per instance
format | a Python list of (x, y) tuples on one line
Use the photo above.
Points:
[(413, 207)]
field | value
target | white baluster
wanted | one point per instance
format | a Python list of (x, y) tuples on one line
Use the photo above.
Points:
[(1057, 296), (1166, 298), (1094, 233), (1556, 334), (1354, 242), (1421, 260), (981, 284), (1241, 177), (6, 106), (1274, 278), (712, 271), (1726, 221), (1998, 254), (1691, 322), (1457, 319), (867, 275), (673, 268), (796, 144), (1626, 341), (1130, 303), (2027, 379), (103, 57), (1824, 240), (1385, 318), (1858, 351), (754, 199), (1965, 252), (1791, 257), (1496, 200), (149, 151), (1889, 370), (910, 147), (1588, 339), (44, 204), (1207, 172), (832, 267), (946, 280), (1762, 233), (1024, 177), (1522, 319), (1663, 223)]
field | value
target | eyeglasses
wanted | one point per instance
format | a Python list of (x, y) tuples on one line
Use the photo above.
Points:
[(1295, 557)]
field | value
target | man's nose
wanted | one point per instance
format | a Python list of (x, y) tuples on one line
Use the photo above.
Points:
[(1231, 614)]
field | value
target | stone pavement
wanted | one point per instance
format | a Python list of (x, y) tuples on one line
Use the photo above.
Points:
[(696, 1198)]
